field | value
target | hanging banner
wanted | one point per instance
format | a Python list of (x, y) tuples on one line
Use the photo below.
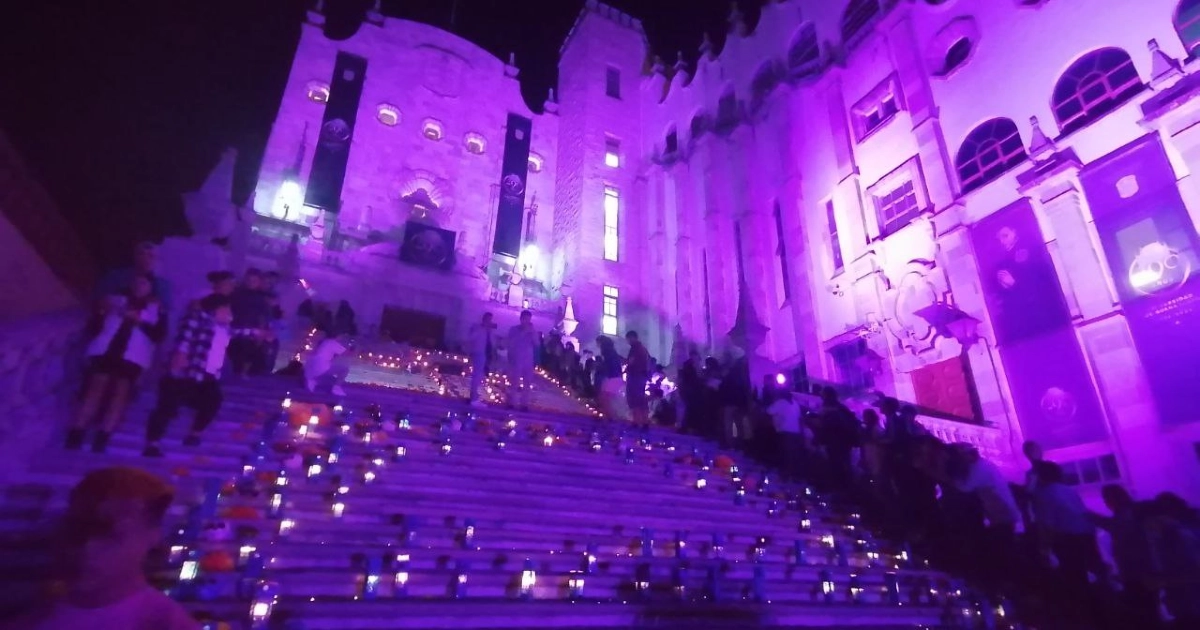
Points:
[(1052, 390), (1020, 286), (1151, 247), (513, 171), (337, 132)]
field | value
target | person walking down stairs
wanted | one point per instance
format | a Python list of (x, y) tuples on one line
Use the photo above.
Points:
[(133, 325), (522, 357), (325, 367), (196, 363)]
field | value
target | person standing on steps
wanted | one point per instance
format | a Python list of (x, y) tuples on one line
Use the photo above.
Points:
[(251, 324), (637, 374), (133, 325), (196, 362), (481, 348), (522, 357)]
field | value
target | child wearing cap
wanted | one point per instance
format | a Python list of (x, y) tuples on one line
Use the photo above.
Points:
[(114, 519)]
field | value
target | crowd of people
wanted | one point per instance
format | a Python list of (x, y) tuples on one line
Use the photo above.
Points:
[(231, 330)]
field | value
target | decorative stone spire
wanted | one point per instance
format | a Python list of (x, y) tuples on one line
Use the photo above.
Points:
[(658, 67), (1164, 69), (551, 104), (737, 22), (569, 323), (375, 14), (316, 15), (680, 64), (706, 46), (510, 68), (748, 332), (1041, 147)]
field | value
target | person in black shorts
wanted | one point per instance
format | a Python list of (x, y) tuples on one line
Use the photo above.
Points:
[(132, 323)]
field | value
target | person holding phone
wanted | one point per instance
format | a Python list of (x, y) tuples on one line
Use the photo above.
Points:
[(132, 325)]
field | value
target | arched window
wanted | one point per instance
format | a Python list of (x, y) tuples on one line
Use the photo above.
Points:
[(859, 13), (1094, 86), (727, 113), (988, 152), (804, 51), (764, 82), (1187, 24)]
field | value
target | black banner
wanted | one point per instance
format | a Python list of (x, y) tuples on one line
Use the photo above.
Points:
[(513, 172), (427, 246), (337, 131)]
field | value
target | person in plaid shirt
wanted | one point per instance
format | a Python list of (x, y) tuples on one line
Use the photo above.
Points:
[(195, 369)]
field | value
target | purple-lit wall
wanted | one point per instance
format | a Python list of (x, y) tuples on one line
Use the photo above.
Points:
[(1064, 364), (783, 115)]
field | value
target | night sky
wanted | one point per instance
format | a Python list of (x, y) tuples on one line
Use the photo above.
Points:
[(118, 106)]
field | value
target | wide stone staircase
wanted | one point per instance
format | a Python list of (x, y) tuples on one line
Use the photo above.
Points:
[(396, 508)]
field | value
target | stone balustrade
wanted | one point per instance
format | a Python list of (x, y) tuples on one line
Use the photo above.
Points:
[(40, 368)]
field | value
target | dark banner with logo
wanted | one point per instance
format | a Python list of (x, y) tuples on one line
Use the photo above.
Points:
[(427, 246), (1151, 247), (337, 132), (1020, 285), (1053, 391), (513, 171)]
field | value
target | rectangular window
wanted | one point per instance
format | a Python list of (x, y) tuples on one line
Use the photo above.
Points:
[(612, 205), (784, 292), (612, 82), (609, 323), (612, 152), (876, 108), (835, 243), (899, 197)]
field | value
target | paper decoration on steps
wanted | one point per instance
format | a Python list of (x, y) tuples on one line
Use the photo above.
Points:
[(252, 573), (459, 587), (265, 597), (681, 545), (800, 553), (891, 588), (679, 578), (826, 587), (467, 538), (217, 561), (589, 559), (854, 589), (642, 579), (575, 584), (399, 567), (370, 577), (528, 579)]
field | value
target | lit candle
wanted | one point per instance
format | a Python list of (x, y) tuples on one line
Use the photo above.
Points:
[(855, 588), (265, 598), (338, 509), (575, 585), (528, 579), (400, 577), (827, 586), (285, 527)]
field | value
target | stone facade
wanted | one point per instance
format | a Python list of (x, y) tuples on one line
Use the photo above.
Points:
[(827, 109), (845, 157)]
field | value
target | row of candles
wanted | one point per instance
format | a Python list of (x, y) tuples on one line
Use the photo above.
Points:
[(264, 594)]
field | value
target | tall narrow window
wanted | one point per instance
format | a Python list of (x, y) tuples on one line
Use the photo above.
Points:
[(608, 325), (612, 152), (708, 325), (835, 243), (784, 292), (612, 82), (612, 206)]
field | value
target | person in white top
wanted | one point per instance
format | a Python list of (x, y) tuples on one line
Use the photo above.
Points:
[(481, 344), (132, 326), (522, 356), (785, 415), (114, 519), (323, 367)]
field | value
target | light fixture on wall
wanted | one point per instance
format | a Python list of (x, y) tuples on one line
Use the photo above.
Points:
[(289, 198), (950, 321)]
